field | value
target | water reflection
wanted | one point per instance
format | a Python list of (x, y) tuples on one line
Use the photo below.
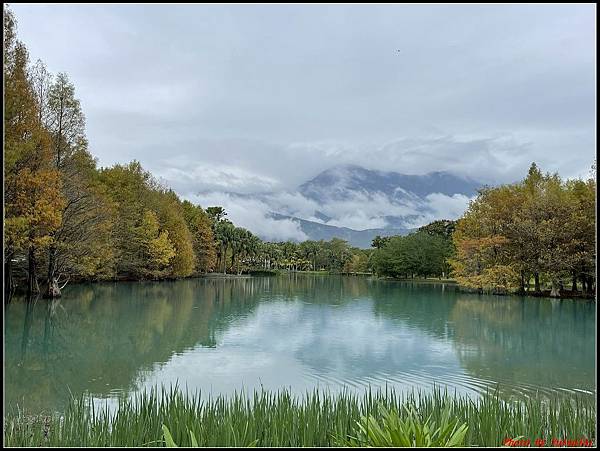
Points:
[(545, 344), (295, 331)]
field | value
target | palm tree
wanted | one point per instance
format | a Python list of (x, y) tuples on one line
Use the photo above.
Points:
[(224, 232)]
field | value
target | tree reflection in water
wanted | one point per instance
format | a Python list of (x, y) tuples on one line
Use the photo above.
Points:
[(107, 339)]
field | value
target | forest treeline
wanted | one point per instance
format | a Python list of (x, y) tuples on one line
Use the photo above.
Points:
[(540, 231), (66, 219), (423, 253), (535, 236)]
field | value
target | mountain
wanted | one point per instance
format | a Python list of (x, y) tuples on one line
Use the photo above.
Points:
[(357, 238), (352, 203), (341, 182), (363, 190)]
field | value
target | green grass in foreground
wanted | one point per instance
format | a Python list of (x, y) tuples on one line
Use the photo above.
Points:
[(315, 419)]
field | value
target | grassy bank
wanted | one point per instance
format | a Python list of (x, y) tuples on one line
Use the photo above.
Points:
[(281, 419)]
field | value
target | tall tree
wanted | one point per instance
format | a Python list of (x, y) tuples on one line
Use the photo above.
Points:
[(172, 218), (32, 186), (156, 250), (62, 116), (200, 226)]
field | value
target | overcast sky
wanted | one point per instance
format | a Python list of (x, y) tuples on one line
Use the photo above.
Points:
[(260, 97)]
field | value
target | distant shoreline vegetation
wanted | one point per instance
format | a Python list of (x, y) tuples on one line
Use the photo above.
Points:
[(68, 220)]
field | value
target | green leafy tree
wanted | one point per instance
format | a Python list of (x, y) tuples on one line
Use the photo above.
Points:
[(200, 225), (155, 248)]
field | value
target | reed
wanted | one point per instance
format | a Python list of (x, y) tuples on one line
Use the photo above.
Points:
[(318, 418)]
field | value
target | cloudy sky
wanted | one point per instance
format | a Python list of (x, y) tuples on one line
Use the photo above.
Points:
[(250, 98)]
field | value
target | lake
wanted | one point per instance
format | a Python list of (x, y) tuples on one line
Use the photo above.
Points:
[(295, 331)]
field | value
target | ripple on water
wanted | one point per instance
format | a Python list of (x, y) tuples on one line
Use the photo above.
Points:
[(462, 384)]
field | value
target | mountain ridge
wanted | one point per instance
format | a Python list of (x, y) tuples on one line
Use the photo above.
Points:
[(356, 204), (357, 238), (353, 177)]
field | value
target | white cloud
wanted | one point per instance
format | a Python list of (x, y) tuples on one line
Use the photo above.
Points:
[(255, 166), (187, 178), (210, 84), (252, 214), (359, 212), (219, 105), (441, 206), (358, 220)]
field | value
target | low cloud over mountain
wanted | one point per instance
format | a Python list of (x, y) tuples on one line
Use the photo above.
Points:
[(348, 202)]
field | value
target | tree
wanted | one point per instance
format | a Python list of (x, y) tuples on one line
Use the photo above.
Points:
[(83, 246), (581, 229), (421, 254), (32, 185), (172, 218), (128, 188), (156, 250), (378, 242), (541, 226), (224, 232), (41, 81), (64, 119), (200, 226), (481, 242), (216, 213), (310, 250), (442, 227), (61, 114)]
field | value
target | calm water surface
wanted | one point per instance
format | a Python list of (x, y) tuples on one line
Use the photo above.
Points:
[(297, 331)]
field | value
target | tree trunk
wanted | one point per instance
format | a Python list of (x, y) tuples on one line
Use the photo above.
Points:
[(590, 285), (522, 283), (53, 290), (574, 285), (555, 292), (31, 277), (536, 277)]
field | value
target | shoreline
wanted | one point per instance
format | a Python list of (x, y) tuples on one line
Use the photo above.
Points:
[(568, 295)]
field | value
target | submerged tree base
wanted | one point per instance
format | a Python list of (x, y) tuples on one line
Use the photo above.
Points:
[(267, 418)]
